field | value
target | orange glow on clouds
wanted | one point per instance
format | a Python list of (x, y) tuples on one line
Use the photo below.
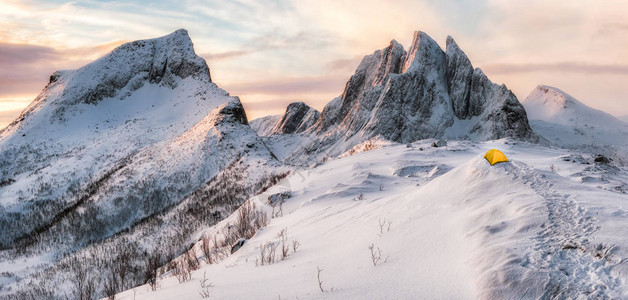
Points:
[(273, 53)]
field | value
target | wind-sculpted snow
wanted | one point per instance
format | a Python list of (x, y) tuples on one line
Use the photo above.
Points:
[(443, 222)]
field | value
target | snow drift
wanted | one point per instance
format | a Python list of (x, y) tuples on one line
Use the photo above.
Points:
[(514, 230)]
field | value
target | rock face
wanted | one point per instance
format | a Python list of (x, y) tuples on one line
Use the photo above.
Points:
[(423, 93), (404, 97), (459, 74), (298, 118), (371, 73)]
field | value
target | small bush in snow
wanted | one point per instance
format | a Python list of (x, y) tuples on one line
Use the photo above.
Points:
[(191, 259), (84, 284), (207, 249), (152, 264), (181, 270), (376, 255), (205, 286), (383, 223), (268, 251), (318, 276), (111, 285), (283, 235)]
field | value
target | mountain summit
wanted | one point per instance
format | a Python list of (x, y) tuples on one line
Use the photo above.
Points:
[(123, 139), (569, 123), (422, 93)]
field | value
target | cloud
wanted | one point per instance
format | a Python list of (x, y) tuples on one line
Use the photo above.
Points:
[(225, 55), (613, 28), (289, 85), (344, 64), (26, 68), (272, 104), (15, 54), (252, 46), (564, 67), (7, 116)]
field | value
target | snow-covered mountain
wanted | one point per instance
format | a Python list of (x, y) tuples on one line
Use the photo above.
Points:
[(407, 96), (117, 142), (567, 122), (136, 172), (264, 126)]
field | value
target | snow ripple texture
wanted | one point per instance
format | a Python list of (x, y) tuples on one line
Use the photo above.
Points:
[(576, 269)]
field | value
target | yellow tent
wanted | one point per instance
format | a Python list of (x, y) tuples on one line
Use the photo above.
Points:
[(495, 156)]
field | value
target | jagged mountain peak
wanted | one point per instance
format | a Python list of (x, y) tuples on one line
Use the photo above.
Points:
[(298, 118), (128, 67), (459, 77), (161, 57), (423, 52), (118, 142), (567, 122), (422, 93), (164, 62)]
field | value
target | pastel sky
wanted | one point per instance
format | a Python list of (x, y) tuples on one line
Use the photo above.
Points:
[(273, 52)]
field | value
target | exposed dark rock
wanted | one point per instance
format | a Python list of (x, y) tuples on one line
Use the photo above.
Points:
[(404, 97), (237, 245), (601, 159), (459, 75), (371, 72), (439, 143), (298, 118)]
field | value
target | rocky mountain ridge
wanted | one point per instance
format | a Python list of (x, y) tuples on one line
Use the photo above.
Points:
[(297, 118), (404, 96)]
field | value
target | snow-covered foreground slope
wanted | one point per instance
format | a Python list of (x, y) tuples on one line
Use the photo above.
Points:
[(444, 223), (567, 122)]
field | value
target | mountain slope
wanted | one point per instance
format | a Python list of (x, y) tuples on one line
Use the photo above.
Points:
[(110, 146), (264, 126), (442, 223), (567, 122)]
